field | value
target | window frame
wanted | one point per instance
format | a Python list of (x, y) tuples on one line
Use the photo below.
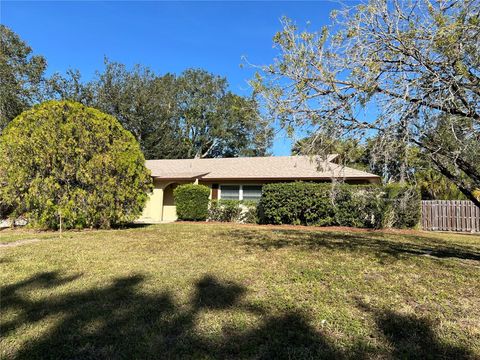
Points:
[(256, 200), (240, 191)]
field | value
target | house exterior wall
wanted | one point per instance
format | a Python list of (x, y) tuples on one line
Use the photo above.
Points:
[(161, 207), (152, 213)]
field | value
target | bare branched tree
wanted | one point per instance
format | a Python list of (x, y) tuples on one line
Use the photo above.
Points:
[(402, 71)]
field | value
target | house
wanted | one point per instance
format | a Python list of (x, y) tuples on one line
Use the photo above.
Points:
[(239, 178)]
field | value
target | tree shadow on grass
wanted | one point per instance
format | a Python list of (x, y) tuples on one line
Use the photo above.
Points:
[(411, 337), (375, 243), (133, 225), (119, 321)]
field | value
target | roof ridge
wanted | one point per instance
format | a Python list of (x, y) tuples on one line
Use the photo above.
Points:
[(247, 157)]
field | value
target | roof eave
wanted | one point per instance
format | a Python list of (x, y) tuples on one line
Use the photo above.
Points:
[(376, 177)]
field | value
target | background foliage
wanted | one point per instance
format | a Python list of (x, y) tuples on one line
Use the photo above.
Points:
[(192, 114), (399, 163), (21, 76), (192, 202), (63, 160)]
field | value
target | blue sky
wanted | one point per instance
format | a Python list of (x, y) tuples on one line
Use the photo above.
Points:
[(166, 36)]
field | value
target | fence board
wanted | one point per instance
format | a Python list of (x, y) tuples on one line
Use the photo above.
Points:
[(450, 215)]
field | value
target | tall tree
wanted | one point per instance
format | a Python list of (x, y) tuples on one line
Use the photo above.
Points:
[(453, 146), (21, 76), (216, 122), (186, 116), (408, 62), (69, 87), (144, 103)]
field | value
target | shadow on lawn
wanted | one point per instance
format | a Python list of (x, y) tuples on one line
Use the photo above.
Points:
[(120, 322), (372, 242), (412, 337)]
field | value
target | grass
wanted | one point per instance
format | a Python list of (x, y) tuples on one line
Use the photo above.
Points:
[(223, 291)]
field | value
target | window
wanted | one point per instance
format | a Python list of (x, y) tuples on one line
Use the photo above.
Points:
[(240, 192), (230, 192), (252, 192)]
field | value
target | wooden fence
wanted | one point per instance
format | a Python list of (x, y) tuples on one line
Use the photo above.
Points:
[(450, 215)]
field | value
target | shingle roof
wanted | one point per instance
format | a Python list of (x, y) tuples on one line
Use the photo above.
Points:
[(273, 167)]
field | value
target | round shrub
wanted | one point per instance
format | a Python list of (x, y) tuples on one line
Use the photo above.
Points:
[(192, 202), (65, 162)]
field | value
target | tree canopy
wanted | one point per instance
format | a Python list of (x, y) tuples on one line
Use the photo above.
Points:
[(185, 116), (21, 75), (405, 71), (65, 162)]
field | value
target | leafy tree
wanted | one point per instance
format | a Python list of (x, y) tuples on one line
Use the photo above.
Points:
[(186, 116), (216, 122), (63, 161), (452, 144), (408, 62), (69, 87), (144, 103), (353, 153), (21, 75)]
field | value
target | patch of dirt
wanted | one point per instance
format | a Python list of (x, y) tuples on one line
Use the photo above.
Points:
[(19, 242)]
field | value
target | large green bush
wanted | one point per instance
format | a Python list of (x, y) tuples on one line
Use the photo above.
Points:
[(192, 201), (62, 161), (368, 206)]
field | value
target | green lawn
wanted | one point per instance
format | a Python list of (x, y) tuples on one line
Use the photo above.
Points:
[(230, 291)]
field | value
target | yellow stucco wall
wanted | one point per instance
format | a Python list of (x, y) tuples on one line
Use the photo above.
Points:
[(154, 207), (161, 205)]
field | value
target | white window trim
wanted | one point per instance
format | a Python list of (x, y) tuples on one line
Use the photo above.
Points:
[(240, 192)]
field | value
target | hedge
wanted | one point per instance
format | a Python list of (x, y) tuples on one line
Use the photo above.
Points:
[(402, 206), (369, 206), (192, 202)]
